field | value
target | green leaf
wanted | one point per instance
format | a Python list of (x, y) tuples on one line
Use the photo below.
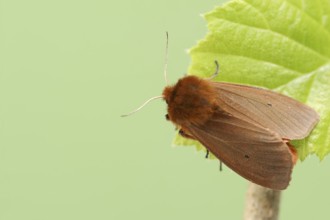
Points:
[(283, 45)]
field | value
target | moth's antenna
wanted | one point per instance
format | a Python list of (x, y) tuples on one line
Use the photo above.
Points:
[(165, 76), (166, 59), (146, 102), (217, 68)]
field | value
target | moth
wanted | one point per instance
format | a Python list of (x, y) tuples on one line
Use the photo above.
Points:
[(247, 128)]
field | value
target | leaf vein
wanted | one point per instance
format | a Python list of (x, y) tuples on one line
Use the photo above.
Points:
[(320, 25)]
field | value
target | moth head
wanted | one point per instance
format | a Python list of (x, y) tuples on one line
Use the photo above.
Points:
[(190, 100)]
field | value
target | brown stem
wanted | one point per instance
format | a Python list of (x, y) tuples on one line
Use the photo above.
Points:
[(262, 203)]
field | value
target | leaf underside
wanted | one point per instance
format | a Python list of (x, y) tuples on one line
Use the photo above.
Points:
[(283, 45)]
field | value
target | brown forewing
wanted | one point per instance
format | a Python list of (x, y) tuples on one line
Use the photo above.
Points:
[(254, 152), (281, 114)]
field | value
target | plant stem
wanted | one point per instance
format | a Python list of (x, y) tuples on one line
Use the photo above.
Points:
[(262, 203)]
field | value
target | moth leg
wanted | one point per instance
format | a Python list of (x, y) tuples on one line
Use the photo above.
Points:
[(293, 151), (185, 134), (167, 117), (207, 153), (216, 70), (207, 156)]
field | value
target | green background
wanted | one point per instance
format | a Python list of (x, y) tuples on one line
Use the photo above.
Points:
[(68, 70)]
